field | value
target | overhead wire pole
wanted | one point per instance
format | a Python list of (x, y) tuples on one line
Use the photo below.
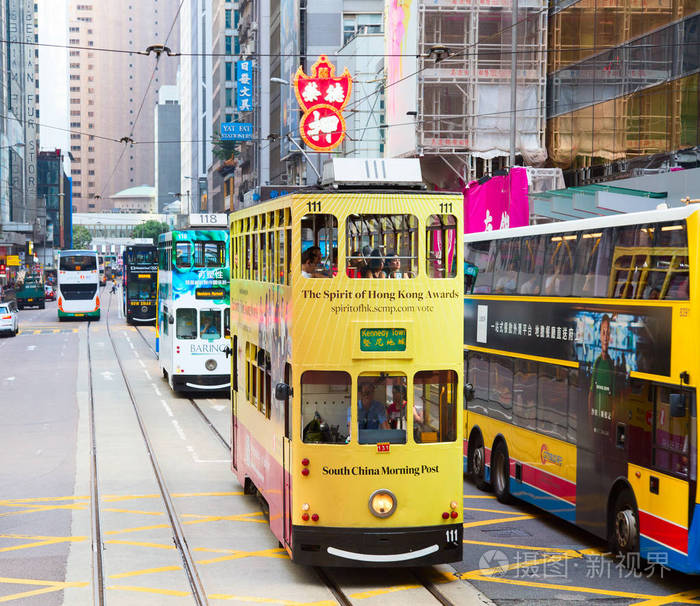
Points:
[(513, 81)]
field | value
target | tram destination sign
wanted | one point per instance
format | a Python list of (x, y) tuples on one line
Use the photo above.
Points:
[(382, 339), (209, 293)]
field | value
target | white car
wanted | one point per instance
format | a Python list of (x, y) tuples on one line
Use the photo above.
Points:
[(9, 321)]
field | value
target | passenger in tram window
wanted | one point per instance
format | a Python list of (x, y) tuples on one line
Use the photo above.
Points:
[(396, 409), (371, 414), (208, 329), (376, 264), (392, 265), (310, 259)]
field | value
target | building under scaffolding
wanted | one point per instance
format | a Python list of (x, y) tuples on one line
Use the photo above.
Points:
[(449, 81)]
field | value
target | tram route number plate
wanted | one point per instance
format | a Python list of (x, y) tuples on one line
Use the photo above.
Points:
[(382, 339)]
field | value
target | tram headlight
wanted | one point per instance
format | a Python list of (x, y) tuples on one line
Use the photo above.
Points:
[(210, 364), (382, 503)]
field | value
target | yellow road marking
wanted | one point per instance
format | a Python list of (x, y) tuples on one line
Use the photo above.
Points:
[(139, 544), (134, 511), (486, 510), (258, 600), (41, 508), (683, 596), (135, 573), (48, 541), (498, 520), (587, 551), (136, 529), (478, 496), (48, 587), (362, 595), (151, 590), (277, 552), (114, 498), (41, 499)]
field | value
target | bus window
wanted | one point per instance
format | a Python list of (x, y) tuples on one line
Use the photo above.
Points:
[(479, 377), (501, 388), (435, 406), (531, 263), (183, 254), (482, 255), (559, 265), (525, 394), (506, 266), (319, 246), (552, 409), (325, 406), (381, 246), (376, 421), (210, 324), (209, 254), (186, 323), (672, 431), (77, 263), (440, 246), (592, 264)]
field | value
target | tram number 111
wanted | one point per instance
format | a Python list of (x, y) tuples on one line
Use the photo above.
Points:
[(451, 536)]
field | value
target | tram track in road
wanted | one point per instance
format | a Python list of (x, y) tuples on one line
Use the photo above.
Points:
[(179, 539)]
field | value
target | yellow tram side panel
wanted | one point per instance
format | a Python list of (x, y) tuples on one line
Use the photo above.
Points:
[(427, 477)]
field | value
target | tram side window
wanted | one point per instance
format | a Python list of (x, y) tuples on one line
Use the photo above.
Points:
[(441, 246), (164, 326), (531, 263), (382, 246), (183, 255), (559, 265), (525, 394), (592, 264), (673, 431), (375, 421), (319, 246), (186, 323), (210, 324), (482, 256), (435, 406), (671, 239), (325, 407), (506, 266)]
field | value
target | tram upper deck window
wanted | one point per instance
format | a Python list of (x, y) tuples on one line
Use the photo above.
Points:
[(325, 406), (142, 256), (319, 246), (183, 255), (381, 246), (441, 246), (78, 263), (559, 265), (592, 264), (531, 263), (481, 255), (186, 323), (209, 254), (506, 266), (381, 408), (210, 324), (435, 406)]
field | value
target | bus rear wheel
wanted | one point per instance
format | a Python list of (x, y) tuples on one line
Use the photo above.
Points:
[(624, 533), (477, 463), (500, 473)]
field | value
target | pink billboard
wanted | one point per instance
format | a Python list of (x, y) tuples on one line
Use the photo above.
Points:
[(498, 202)]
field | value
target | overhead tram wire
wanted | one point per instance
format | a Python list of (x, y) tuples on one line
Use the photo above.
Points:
[(143, 101)]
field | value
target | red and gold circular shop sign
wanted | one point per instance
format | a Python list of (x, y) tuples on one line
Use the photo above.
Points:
[(322, 96)]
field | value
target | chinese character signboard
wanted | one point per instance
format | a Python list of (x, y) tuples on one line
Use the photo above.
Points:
[(244, 86), (382, 339), (322, 97)]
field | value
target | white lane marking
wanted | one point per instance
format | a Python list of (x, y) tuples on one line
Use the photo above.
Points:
[(31, 347), (167, 408), (10, 379), (218, 407), (179, 430), (131, 345), (136, 354), (148, 375), (157, 390), (107, 375), (142, 364), (196, 458)]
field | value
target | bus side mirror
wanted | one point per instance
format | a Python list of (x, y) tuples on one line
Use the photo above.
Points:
[(468, 392), (283, 391), (171, 320), (677, 402)]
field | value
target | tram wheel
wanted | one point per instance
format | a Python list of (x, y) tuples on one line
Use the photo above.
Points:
[(500, 473), (477, 463), (624, 532)]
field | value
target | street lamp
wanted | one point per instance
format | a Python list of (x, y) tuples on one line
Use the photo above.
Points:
[(189, 201)]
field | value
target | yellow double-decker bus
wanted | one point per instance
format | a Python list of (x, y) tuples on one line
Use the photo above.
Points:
[(582, 363), (346, 373)]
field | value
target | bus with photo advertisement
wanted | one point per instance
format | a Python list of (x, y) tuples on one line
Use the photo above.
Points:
[(140, 283), (192, 327), (581, 373), (346, 387), (78, 294)]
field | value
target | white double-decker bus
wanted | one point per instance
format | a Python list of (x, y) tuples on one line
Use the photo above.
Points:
[(78, 284), (193, 309)]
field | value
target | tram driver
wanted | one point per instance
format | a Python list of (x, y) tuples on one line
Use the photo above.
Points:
[(371, 414)]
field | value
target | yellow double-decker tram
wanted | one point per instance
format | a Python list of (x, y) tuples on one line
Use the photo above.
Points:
[(346, 372)]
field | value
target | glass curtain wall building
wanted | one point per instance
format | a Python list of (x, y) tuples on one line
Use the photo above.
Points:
[(622, 83)]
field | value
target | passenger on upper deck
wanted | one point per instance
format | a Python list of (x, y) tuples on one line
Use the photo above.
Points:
[(310, 259), (392, 265), (376, 264)]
